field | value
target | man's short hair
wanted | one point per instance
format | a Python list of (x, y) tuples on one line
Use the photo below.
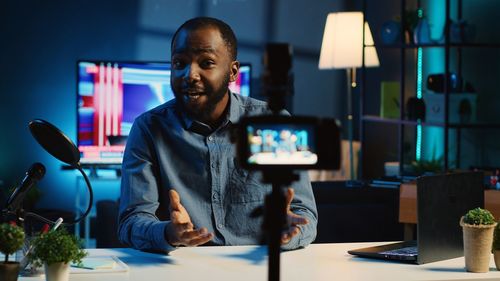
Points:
[(225, 30)]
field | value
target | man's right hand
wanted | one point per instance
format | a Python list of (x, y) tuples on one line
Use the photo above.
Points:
[(180, 231)]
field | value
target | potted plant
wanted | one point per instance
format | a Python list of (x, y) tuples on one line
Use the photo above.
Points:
[(11, 240), (422, 166), (55, 250), (478, 225), (495, 249)]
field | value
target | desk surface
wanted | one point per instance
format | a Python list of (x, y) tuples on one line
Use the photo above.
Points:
[(316, 262)]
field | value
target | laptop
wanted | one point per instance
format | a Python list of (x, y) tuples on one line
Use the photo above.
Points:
[(442, 201)]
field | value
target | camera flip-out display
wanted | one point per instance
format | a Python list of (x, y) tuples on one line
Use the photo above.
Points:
[(272, 141)]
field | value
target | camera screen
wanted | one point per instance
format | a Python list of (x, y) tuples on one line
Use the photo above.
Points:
[(281, 144)]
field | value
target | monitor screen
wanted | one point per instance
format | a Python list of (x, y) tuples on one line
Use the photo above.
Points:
[(242, 83), (112, 94)]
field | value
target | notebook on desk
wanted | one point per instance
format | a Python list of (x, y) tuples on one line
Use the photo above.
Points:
[(441, 201), (99, 264)]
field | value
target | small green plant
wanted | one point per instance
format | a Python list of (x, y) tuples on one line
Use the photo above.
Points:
[(56, 246), (479, 216), (434, 165), (11, 239), (427, 166)]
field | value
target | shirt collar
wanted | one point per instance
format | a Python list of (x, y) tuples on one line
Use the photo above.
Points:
[(234, 108), (232, 115)]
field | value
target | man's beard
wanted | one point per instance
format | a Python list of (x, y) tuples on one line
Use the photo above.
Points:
[(204, 113)]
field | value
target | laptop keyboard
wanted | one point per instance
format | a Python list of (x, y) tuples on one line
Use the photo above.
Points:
[(406, 251)]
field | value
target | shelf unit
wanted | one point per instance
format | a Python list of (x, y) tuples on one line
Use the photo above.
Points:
[(401, 122)]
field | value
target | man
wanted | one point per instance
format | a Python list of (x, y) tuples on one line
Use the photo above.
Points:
[(181, 183)]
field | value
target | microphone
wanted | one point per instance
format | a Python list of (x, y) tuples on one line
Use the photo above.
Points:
[(34, 174)]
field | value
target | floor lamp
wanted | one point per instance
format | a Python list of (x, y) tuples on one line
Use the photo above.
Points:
[(342, 48)]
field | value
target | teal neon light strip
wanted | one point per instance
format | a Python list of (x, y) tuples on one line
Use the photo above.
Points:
[(418, 149), (418, 144), (419, 73)]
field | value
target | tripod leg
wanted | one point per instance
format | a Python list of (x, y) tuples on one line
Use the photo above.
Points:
[(275, 220)]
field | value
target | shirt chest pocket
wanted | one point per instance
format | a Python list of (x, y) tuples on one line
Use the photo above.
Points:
[(245, 186)]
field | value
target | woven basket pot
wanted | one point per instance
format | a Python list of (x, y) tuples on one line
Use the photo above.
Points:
[(477, 246)]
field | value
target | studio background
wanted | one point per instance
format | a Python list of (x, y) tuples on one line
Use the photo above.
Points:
[(42, 40)]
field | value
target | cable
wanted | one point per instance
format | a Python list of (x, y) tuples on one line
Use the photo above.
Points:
[(91, 194)]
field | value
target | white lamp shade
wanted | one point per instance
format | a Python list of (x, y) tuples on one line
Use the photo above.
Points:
[(371, 57), (342, 45)]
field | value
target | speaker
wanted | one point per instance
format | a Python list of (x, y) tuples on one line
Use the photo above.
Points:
[(435, 83)]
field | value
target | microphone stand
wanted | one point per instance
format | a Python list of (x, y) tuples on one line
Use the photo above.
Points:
[(16, 215)]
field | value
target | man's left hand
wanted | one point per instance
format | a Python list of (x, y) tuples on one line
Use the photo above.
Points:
[(294, 220)]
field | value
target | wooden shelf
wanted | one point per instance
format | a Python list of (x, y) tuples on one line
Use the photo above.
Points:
[(436, 45), (377, 119)]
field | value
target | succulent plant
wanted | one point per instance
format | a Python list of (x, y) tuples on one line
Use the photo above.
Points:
[(479, 216)]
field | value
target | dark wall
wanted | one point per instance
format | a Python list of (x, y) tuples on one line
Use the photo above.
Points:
[(41, 41)]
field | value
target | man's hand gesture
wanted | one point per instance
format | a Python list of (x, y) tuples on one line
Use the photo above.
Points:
[(294, 220), (180, 231)]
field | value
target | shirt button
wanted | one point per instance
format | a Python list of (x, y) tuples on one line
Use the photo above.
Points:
[(210, 138), (220, 225)]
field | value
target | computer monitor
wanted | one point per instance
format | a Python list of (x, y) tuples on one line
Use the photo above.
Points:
[(243, 82), (111, 94)]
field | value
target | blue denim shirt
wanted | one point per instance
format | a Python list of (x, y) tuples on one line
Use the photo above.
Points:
[(166, 149)]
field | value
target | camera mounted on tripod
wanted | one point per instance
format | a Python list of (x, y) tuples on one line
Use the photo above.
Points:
[(278, 141)]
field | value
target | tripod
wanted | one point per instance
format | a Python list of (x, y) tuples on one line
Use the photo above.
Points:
[(275, 217)]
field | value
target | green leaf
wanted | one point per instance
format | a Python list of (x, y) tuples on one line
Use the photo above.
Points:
[(57, 246), (11, 239), (479, 216)]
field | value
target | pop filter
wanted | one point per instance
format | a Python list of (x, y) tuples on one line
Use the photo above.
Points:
[(55, 142)]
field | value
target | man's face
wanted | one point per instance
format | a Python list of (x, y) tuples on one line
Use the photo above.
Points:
[(202, 68)]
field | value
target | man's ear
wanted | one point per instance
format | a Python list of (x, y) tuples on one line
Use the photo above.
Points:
[(235, 69)]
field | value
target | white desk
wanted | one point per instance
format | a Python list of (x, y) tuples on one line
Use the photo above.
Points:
[(316, 262)]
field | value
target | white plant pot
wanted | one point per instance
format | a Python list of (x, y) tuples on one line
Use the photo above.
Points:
[(57, 272)]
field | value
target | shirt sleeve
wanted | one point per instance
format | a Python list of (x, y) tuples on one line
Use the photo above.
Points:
[(303, 204), (139, 226)]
